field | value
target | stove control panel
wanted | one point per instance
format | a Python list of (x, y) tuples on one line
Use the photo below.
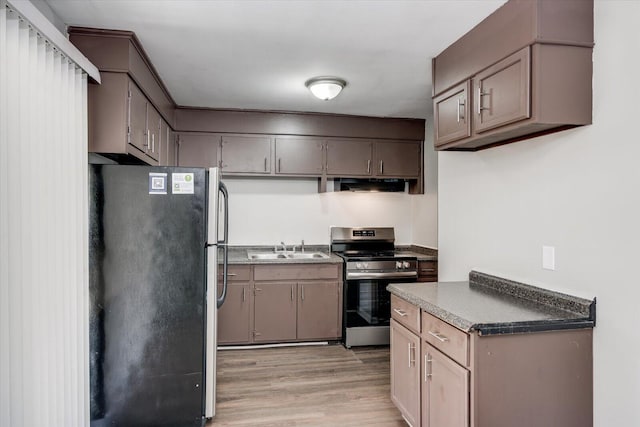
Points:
[(383, 265), (403, 265)]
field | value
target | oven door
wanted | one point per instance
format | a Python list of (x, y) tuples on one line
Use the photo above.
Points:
[(367, 311)]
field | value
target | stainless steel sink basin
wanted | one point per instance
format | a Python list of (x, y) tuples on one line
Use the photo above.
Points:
[(308, 255), (289, 255), (265, 255)]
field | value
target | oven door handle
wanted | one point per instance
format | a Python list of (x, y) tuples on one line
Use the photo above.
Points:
[(395, 275)]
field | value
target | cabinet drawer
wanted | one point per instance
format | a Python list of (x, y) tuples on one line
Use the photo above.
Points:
[(427, 271), (405, 313), (237, 273), (297, 272), (450, 340)]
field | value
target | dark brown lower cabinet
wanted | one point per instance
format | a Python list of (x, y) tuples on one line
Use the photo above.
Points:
[(234, 317), (318, 310), (281, 303), (405, 372), (446, 377), (274, 312), (427, 271), (445, 390)]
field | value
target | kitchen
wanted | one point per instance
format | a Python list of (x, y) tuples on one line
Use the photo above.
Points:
[(495, 210)]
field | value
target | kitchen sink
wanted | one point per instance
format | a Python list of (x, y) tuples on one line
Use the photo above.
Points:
[(307, 255), (289, 255), (265, 255)]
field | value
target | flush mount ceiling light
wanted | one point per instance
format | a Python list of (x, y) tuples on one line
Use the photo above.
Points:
[(325, 88)]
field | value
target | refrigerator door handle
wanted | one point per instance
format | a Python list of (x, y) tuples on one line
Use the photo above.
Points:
[(224, 243)]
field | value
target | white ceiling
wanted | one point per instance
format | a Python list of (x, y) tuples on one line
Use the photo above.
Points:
[(258, 54)]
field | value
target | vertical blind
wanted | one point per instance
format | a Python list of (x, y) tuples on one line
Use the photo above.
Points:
[(43, 224)]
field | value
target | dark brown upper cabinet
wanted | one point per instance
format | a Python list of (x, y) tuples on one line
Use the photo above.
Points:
[(371, 158), (503, 92), (451, 114), (169, 149), (198, 149), (396, 159), (121, 120), (245, 154), (154, 140), (299, 156), (137, 117), (525, 71), (349, 157)]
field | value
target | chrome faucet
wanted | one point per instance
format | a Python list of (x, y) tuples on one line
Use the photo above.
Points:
[(302, 246), (284, 247)]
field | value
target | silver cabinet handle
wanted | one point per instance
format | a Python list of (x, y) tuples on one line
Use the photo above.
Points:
[(291, 292), (400, 312), (381, 167), (439, 336), (265, 164), (427, 362), (480, 95), (411, 351), (257, 289), (369, 166), (244, 298), (461, 103), (279, 165), (231, 274), (302, 294)]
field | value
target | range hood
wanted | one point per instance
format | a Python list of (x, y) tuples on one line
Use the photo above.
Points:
[(370, 185)]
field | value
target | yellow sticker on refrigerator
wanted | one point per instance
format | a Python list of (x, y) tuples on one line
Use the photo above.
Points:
[(182, 183)]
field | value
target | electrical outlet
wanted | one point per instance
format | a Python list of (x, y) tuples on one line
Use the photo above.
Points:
[(549, 257)]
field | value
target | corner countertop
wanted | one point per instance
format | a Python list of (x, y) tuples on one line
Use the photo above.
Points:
[(238, 255), (492, 305), (422, 253)]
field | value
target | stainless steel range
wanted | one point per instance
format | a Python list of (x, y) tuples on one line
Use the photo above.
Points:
[(371, 263)]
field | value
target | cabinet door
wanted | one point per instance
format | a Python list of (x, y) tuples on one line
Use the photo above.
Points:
[(137, 118), (405, 372), (246, 154), (172, 148), (154, 139), (502, 92), (318, 306), (397, 159), (233, 316), (349, 158), (163, 158), (274, 311), (299, 156), (445, 390), (451, 114), (198, 150)]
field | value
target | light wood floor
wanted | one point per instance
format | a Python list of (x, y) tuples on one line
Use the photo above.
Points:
[(305, 386)]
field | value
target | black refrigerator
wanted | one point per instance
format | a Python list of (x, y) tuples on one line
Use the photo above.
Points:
[(155, 234)]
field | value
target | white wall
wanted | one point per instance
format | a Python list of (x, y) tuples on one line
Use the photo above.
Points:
[(424, 220), (579, 191), (265, 212)]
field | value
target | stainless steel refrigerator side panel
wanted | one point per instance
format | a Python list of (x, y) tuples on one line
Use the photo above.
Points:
[(212, 289)]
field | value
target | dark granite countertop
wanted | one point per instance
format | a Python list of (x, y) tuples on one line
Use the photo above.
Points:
[(492, 305), (420, 252), (238, 255)]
